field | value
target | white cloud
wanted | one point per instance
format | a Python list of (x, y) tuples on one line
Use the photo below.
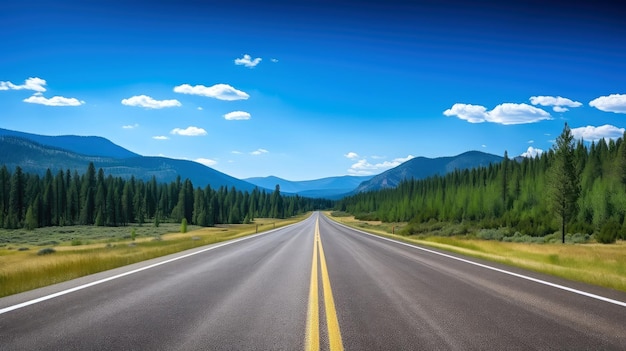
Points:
[(591, 133), (531, 141), (190, 131), (612, 103), (363, 167), (470, 113), (53, 101), (558, 103), (148, 102), (259, 152), (217, 91), (131, 126), (207, 162), (200, 108), (160, 137), (483, 146), (509, 113), (352, 155), (532, 152), (35, 84), (235, 152), (274, 60), (247, 61), (237, 115), (506, 113)]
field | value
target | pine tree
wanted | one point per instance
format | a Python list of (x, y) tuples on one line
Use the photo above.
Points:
[(563, 180)]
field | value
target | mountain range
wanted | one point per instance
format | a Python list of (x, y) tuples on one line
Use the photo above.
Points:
[(423, 167), (36, 153), (330, 188)]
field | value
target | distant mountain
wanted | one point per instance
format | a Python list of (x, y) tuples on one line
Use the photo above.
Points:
[(34, 157), (84, 145), (423, 167), (330, 188)]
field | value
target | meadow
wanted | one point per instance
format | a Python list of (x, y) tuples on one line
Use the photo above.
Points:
[(592, 263), (45, 256)]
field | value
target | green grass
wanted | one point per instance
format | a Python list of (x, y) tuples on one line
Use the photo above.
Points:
[(597, 264), (102, 249)]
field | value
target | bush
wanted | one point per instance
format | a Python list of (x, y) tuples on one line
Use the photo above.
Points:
[(46, 251), (183, 225), (491, 234), (608, 232)]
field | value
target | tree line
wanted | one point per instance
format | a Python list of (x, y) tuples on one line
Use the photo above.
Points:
[(575, 186), (69, 198)]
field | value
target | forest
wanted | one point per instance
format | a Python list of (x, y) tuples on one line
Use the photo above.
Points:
[(30, 201), (528, 196)]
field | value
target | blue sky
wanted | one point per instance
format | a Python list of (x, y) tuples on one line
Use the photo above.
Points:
[(311, 89)]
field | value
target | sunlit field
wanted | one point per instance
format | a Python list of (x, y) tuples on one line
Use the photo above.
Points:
[(24, 265), (597, 264)]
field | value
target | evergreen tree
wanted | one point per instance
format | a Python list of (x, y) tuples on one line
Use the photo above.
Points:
[(563, 180)]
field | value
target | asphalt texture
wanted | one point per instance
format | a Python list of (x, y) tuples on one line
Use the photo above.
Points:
[(253, 294)]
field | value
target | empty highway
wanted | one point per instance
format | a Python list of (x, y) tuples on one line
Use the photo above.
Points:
[(315, 285)]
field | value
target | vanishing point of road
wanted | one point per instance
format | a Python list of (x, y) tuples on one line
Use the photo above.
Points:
[(315, 285)]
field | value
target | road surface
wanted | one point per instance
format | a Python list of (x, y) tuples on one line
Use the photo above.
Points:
[(314, 285)]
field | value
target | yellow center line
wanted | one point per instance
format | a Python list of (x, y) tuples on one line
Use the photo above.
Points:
[(334, 334), (312, 325), (332, 323)]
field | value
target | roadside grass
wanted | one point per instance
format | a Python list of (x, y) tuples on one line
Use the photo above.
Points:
[(22, 270), (597, 264)]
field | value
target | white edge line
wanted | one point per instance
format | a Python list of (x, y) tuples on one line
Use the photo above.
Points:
[(562, 287), (84, 286)]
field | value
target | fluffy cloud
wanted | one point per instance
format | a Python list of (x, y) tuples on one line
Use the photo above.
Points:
[(190, 131), (160, 137), (207, 162), (247, 61), (352, 155), (131, 126), (53, 101), (148, 102), (217, 91), (35, 84), (467, 112), (591, 133), (532, 152), (558, 103), (274, 60), (237, 115), (612, 103), (259, 152), (363, 167), (507, 113)]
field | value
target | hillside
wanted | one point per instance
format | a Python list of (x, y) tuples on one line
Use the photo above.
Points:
[(423, 167), (85, 145), (331, 187), (34, 157)]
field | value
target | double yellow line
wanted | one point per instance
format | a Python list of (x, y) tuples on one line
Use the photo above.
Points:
[(312, 341)]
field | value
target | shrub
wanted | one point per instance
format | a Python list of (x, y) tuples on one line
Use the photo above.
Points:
[(491, 234), (46, 251), (183, 225), (608, 232)]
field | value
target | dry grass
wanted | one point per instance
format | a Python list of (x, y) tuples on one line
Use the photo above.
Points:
[(25, 270), (597, 264)]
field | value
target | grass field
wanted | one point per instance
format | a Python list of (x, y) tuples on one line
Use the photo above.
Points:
[(597, 264), (84, 250)]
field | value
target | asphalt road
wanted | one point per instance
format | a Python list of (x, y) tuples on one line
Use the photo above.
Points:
[(363, 293)]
